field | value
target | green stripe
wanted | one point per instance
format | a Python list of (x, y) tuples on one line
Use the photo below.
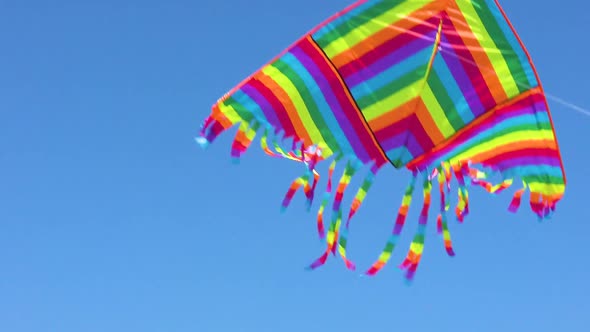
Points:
[(510, 56), (310, 104), (543, 178), (389, 247), (446, 103), (391, 88), (348, 24), (419, 238), (242, 110)]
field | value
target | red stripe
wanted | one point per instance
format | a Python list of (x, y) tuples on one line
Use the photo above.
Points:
[(411, 124), (533, 153), (467, 60), (276, 104)]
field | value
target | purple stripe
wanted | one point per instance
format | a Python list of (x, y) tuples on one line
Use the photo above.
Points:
[(335, 107), (532, 161), (390, 60), (399, 140), (456, 68), (264, 105)]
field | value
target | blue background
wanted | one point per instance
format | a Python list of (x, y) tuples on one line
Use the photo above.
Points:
[(113, 219)]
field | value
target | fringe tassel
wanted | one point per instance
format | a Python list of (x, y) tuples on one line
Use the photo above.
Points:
[(210, 132), (243, 140), (302, 181), (337, 239), (517, 198), (333, 230), (325, 200), (410, 264), (462, 208), (442, 225), (310, 157), (356, 203), (397, 229), (265, 148), (477, 177), (337, 205)]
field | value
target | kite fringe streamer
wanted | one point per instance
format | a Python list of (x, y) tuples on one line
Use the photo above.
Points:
[(335, 238)]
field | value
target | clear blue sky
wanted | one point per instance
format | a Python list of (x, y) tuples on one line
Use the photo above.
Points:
[(113, 219)]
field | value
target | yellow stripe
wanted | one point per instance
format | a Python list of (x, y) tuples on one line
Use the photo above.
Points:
[(383, 21), (546, 188), (393, 101), (417, 247), (230, 113), (384, 257), (490, 48), (512, 137), (288, 86), (436, 112)]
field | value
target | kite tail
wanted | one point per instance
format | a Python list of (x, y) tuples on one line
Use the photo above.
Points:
[(356, 203), (336, 220), (325, 200), (442, 225), (243, 140), (280, 153), (541, 204), (410, 264), (517, 198), (477, 177), (302, 181), (213, 126), (462, 208), (397, 229)]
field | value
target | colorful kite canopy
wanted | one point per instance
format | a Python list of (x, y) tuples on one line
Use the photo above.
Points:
[(444, 88)]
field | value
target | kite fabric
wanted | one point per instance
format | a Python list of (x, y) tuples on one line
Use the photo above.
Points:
[(444, 88)]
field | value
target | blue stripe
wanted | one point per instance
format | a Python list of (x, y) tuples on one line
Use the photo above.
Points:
[(392, 74), (535, 171), (453, 90), (325, 110), (245, 100), (400, 153)]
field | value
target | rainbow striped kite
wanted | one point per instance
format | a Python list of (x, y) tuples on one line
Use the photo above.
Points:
[(444, 88)]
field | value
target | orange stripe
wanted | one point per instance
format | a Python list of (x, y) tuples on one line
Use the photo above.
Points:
[(414, 106), (284, 98), (389, 32), (395, 115), (478, 53), (220, 117), (474, 123), (427, 122)]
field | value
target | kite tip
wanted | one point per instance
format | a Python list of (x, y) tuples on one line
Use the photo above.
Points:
[(202, 141)]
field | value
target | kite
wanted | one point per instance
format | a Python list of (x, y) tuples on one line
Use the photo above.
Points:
[(443, 88)]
